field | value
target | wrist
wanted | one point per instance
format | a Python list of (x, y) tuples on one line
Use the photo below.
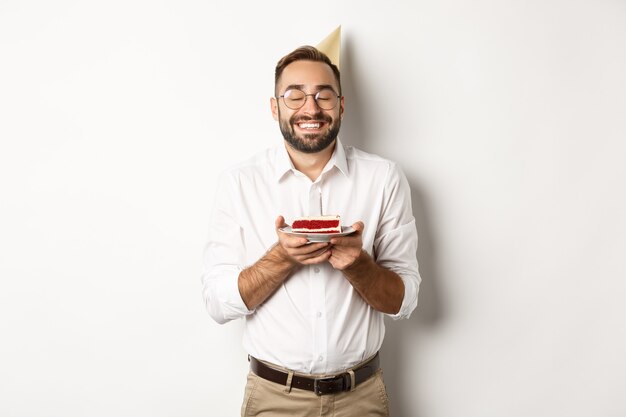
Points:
[(360, 262), (278, 254)]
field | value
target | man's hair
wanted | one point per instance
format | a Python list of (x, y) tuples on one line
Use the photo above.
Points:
[(305, 53)]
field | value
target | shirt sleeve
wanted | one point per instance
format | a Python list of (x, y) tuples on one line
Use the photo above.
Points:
[(223, 257), (395, 246)]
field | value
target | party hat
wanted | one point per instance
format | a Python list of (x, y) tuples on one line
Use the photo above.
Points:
[(331, 46)]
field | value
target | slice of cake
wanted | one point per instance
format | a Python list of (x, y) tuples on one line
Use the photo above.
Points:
[(317, 224)]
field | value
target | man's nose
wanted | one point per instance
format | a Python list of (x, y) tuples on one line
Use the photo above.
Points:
[(310, 105)]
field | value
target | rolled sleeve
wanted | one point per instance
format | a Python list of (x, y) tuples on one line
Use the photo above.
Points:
[(396, 251), (223, 260), (396, 242), (221, 294), (409, 302)]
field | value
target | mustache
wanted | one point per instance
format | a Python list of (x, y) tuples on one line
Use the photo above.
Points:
[(318, 116)]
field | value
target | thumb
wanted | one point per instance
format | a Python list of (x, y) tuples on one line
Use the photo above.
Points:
[(280, 222), (358, 227)]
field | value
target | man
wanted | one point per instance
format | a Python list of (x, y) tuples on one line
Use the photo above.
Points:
[(313, 311)]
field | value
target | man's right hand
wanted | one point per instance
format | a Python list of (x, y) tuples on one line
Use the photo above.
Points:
[(259, 281), (298, 250)]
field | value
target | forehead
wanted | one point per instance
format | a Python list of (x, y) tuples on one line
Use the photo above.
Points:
[(307, 73)]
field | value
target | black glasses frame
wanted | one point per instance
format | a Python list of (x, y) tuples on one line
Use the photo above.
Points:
[(306, 96)]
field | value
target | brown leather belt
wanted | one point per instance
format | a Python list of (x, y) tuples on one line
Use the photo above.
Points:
[(321, 386)]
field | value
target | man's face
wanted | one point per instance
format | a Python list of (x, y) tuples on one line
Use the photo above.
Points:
[(308, 129)]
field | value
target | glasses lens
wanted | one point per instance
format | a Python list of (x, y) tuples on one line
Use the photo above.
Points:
[(294, 99), (326, 99)]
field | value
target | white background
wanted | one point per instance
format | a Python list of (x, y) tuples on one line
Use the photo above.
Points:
[(508, 118)]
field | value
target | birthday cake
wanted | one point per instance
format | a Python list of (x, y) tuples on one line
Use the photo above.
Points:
[(317, 224)]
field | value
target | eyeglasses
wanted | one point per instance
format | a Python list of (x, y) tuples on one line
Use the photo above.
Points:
[(326, 99)]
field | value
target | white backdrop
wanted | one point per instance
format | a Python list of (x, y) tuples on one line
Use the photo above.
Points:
[(508, 118)]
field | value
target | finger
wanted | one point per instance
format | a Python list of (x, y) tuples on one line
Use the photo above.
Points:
[(280, 222), (324, 249), (353, 239), (341, 251), (358, 227), (298, 245), (293, 242), (312, 249), (323, 257)]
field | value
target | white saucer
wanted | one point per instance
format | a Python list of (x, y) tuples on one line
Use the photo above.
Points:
[(319, 237)]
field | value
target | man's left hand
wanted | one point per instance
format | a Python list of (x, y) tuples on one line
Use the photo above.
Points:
[(345, 250)]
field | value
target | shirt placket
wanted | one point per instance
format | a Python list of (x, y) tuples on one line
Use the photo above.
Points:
[(318, 292)]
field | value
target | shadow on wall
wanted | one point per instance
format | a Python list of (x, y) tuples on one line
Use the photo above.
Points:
[(355, 126), (400, 349), (401, 352)]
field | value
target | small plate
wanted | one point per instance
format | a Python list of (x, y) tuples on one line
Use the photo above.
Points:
[(319, 237)]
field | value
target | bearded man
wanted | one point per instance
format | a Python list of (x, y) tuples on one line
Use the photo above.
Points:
[(313, 312)]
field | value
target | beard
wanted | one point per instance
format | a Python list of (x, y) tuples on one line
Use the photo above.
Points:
[(309, 143)]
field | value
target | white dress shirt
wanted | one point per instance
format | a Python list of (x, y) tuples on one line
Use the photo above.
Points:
[(315, 322)]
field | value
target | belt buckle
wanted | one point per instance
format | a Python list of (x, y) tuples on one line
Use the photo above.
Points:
[(317, 389)]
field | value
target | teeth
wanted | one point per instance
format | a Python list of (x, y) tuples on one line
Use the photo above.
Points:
[(309, 125)]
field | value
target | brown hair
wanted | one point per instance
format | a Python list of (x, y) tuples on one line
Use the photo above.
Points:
[(305, 53)]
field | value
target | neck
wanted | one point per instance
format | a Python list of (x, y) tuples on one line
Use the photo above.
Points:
[(310, 164)]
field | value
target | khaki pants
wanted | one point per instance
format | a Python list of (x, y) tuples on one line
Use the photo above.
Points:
[(264, 398)]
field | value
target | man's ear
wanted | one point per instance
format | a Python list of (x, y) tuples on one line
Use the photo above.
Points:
[(274, 107), (341, 107)]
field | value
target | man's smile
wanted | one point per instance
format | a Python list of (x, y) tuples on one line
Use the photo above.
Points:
[(310, 126)]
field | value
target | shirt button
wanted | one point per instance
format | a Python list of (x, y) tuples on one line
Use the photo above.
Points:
[(316, 270), (321, 358), (319, 314)]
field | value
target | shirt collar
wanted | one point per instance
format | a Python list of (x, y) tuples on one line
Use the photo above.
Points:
[(339, 158), (284, 165)]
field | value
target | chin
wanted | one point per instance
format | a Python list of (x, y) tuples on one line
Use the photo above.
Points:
[(310, 143)]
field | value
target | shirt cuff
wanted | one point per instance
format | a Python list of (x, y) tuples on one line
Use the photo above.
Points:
[(409, 302), (223, 300)]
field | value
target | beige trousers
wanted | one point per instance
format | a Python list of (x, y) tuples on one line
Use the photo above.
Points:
[(264, 398)]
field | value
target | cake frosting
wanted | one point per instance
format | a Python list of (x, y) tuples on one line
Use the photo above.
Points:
[(317, 224)]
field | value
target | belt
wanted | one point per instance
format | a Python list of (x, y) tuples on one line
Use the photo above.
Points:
[(328, 385)]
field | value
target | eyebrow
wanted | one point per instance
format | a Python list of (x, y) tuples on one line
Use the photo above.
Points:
[(301, 86)]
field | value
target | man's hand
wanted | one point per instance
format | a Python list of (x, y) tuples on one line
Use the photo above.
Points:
[(259, 281), (298, 250), (381, 288), (345, 250)]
